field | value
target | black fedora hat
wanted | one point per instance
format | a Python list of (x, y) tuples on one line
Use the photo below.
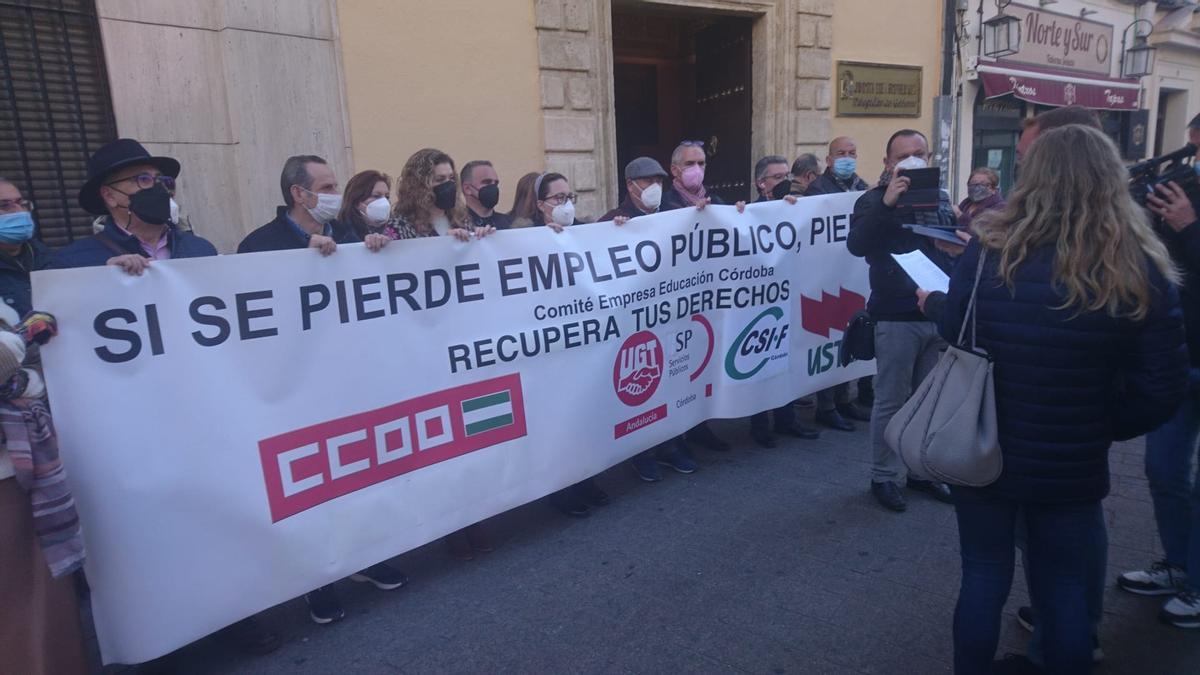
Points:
[(116, 155)]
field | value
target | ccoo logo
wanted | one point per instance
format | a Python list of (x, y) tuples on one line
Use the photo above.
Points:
[(638, 369)]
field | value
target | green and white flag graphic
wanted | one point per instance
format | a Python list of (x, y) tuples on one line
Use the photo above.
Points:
[(487, 412)]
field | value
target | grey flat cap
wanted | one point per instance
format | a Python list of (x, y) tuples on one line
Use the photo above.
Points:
[(644, 167)]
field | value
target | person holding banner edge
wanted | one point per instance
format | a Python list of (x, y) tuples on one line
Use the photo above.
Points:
[(132, 190), (306, 220), (773, 179), (127, 187)]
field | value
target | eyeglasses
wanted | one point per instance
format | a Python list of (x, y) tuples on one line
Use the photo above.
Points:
[(561, 198), (145, 181), (778, 176), (982, 185), (7, 205)]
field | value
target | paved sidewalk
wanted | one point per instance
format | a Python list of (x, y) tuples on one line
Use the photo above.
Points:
[(764, 561)]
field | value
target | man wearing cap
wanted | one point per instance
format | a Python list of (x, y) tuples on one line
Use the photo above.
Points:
[(644, 178), (132, 189)]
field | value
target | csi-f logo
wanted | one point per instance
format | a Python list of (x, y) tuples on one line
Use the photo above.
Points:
[(638, 369), (763, 339)]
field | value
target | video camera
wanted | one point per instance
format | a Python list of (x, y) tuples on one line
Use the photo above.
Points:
[(1177, 167)]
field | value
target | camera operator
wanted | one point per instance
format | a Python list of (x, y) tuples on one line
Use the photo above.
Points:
[(1171, 449)]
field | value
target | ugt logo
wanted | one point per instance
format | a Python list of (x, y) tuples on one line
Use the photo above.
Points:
[(762, 340), (638, 368)]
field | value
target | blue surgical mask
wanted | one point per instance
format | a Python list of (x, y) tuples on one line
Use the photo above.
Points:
[(16, 228), (844, 167)]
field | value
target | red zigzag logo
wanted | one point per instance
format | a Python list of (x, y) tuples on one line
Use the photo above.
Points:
[(831, 312)]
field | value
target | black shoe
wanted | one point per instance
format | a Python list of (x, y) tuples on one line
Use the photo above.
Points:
[(592, 493), (568, 504), (249, 636), (704, 437), (764, 439), (806, 402), (939, 491), (1015, 664), (382, 576), (852, 411), (888, 494), (834, 420), (799, 431), (324, 606), (1025, 618)]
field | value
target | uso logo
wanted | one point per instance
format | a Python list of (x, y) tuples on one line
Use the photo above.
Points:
[(639, 368)]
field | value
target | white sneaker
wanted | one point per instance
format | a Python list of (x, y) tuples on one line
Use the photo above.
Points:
[(1182, 611), (1162, 578)]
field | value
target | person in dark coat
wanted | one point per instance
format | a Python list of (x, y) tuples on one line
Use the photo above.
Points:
[(644, 178), (306, 220), (906, 343), (134, 189), (841, 170), (1172, 450), (834, 407), (1078, 309), (20, 253), (688, 164), (773, 180)]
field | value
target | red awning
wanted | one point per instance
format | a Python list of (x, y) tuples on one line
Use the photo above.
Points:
[(1058, 88)]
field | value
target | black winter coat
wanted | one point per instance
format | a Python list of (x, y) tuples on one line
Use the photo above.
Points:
[(96, 250), (279, 235), (875, 234), (1067, 384), (14, 274), (828, 184)]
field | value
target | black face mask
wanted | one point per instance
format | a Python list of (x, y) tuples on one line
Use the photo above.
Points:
[(782, 189), (489, 196), (152, 206), (445, 195)]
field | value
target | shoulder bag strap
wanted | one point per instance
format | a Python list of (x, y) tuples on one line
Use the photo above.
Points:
[(970, 315)]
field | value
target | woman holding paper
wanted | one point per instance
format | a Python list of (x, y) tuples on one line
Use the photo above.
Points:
[(1078, 308)]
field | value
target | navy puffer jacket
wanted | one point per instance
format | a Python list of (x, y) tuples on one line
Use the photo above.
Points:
[(1067, 384)]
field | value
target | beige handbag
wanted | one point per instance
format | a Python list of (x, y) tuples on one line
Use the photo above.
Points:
[(947, 430)]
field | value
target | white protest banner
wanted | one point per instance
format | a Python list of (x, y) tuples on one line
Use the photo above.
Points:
[(240, 430)]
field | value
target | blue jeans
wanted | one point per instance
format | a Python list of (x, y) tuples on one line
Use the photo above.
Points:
[(1175, 483), (1057, 533), (1097, 577)]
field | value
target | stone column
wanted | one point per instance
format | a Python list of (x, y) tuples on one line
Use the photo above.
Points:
[(814, 68), (570, 60)]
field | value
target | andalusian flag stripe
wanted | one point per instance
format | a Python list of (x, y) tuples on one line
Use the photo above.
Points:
[(487, 412)]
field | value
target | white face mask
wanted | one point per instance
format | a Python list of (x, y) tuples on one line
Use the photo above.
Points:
[(327, 207), (174, 211), (652, 196), (378, 210), (912, 163), (564, 214)]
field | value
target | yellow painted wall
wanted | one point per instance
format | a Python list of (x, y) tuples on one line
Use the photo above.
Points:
[(900, 32), (458, 76)]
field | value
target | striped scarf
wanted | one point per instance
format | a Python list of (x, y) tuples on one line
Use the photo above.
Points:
[(28, 434)]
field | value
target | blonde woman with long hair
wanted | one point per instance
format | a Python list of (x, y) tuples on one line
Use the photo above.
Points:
[(1078, 307)]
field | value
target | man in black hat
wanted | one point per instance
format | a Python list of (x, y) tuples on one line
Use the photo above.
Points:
[(644, 178), (134, 189)]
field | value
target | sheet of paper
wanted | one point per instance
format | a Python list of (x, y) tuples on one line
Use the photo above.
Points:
[(923, 271)]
